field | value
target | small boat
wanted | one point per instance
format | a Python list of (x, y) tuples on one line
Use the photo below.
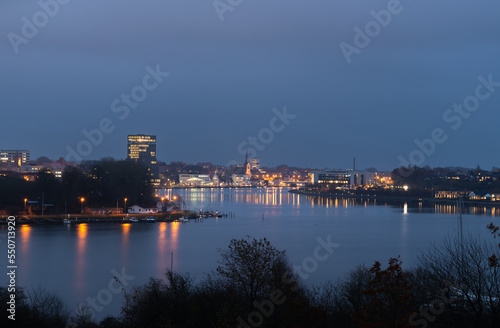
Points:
[(133, 220), (183, 219), (66, 221), (150, 219)]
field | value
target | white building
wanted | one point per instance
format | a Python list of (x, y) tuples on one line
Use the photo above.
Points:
[(135, 209), (194, 179), (241, 180)]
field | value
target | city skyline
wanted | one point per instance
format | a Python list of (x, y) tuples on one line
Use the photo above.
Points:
[(225, 78)]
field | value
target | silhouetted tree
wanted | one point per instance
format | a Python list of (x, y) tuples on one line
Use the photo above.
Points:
[(465, 269), (247, 265), (389, 297)]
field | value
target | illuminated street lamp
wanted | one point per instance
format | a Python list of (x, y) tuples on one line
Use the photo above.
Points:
[(126, 206), (25, 200), (82, 200)]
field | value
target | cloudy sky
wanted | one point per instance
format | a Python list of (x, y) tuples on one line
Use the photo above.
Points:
[(232, 63)]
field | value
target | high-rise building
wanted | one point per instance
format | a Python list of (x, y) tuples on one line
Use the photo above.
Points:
[(16, 157), (142, 149)]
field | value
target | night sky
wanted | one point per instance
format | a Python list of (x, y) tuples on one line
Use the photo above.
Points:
[(226, 77)]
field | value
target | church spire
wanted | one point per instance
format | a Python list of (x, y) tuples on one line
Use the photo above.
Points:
[(246, 167)]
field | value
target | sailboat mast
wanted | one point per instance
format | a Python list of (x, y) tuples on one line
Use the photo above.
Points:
[(460, 225)]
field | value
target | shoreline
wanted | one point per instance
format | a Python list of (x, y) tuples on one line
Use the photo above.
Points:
[(58, 219), (387, 198)]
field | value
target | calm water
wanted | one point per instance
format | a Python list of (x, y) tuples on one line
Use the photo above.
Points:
[(77, 261)]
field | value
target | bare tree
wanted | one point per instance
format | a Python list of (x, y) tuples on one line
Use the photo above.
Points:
[(475, 289), (248, 265), (345, 297), (46, 308)]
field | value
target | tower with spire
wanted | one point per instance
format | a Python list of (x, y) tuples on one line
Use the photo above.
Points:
[(247, 167)]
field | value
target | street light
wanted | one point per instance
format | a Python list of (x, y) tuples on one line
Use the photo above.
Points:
[(126, 206), (82, 200), (25, 200)]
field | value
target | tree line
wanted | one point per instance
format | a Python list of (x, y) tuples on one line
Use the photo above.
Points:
[(103, 183)]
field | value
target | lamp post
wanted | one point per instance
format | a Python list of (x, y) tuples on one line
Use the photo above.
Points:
[(82, 200), (126, 206), (25, 200)]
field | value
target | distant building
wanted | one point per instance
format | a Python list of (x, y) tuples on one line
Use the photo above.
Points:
[(247, 167), (243, 174), (135, 209), (451, 194), (25, 172), (362, 179), (215, 179), (142, 149), (255, 163), (339, 177), (240, 180), (477, 195), (343, 178), (15, 157), (56, 168), (383, 180), (194, 179)]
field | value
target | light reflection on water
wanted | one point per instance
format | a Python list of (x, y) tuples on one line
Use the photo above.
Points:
[(125, 240), (81, 254), (24, 246)]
